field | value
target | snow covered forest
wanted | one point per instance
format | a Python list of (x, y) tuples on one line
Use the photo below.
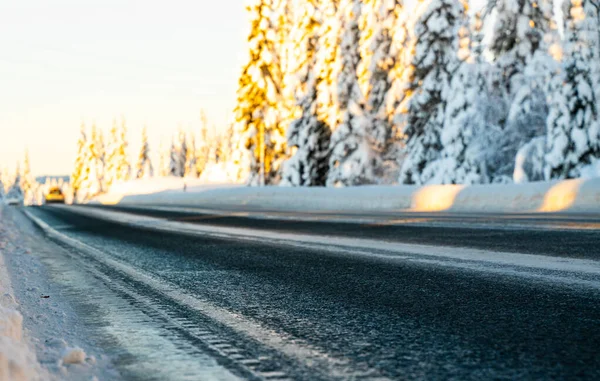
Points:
[(350, 92)]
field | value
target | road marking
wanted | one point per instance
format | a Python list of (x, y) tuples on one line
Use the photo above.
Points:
[(294, 348)]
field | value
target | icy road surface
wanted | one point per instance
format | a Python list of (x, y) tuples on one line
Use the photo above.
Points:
[(182, 295)]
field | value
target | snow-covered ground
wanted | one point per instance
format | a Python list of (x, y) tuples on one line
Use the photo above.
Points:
[(40, 334), (575, 196), (18, 361)]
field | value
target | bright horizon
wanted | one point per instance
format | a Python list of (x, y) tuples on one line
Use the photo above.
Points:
[(156, 63)]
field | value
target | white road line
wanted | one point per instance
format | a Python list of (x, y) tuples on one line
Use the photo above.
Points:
[(292, 347)]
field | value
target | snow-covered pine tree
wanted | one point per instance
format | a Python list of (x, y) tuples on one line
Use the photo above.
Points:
[(435, 60), (518, 33), (260, 146), (124, 166), (386, 62), (463, 159), (184, 153), (573, 138), (352, 160), (163, 161), (307, 135), (27, 180), (226, 147), (144, 165), (203, 148), (118, 168), (520, 46), (285, 20), (91, 181), (175, 166), (101, 161), (110, 173), (191, 159), (79, 167), (369, 23), (15, 190), (328, 63)]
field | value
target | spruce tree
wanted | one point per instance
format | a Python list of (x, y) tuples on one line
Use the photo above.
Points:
[(328, 63), (307, 135), (462, 159), (434, 61), (80, 160), (351, 160), (90, 185), (27, 180), (573, 137), (101, 161), (15, 190), (123, 166), (144, 164), (184, 153), (110, 174), (387, 61), (203, 149), (175, 166), (260, 135), (520, 46)]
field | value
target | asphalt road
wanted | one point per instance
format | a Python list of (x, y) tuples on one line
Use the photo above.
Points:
[(325, 315)]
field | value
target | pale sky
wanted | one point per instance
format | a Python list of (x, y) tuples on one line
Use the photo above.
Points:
[(156, 62)]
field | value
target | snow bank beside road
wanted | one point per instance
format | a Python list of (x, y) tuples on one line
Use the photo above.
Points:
[(17, 360), (576, 196)]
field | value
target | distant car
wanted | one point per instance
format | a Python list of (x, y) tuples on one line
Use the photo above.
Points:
[(55, 196), (13, 201)]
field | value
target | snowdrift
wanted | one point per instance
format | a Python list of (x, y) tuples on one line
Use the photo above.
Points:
[(573, 196)]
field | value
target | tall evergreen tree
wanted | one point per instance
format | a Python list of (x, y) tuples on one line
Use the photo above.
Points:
[(308, 135), (144, 164), (573, 138), (387, 61), (91, 185), (259, 131), (203, 149), (164, 167), (110, 174), (80, 161), (351, 160), (27, 180), (117, 165), (328, 63), (462, 159), (184, 152), (175, 165), (15, 190), (124, 166), (101, 160), (520, 46), (435, 60)]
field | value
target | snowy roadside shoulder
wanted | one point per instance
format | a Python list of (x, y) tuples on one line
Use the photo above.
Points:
[(40, 336), (18, 361)]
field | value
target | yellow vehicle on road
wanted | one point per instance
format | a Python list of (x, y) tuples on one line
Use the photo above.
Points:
[(55, 196)]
